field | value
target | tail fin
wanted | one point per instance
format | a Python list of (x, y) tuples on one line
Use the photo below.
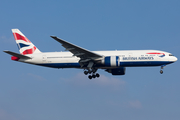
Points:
[(25, 46)]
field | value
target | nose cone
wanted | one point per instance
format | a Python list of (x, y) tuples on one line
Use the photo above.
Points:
[(172, 59), (175, 59)]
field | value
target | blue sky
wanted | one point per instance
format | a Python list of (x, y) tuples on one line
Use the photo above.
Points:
[(29, 92)]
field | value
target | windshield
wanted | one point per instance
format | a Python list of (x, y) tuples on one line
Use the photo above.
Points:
[(171, 55)]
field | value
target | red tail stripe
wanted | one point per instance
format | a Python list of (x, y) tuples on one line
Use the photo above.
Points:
[(20, 37), (29, 51)]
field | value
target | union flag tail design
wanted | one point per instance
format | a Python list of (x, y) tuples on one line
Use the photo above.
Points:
[(25, 46)]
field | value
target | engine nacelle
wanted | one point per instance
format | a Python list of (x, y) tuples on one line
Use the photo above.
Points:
[(111, 61), (117, 71)]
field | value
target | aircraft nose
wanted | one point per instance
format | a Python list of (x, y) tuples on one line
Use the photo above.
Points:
[(175, 59)]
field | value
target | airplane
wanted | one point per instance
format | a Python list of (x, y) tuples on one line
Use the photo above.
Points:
[(114, 62)]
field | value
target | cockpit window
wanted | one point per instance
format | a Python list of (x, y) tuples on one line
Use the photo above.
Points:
[(171, 55)]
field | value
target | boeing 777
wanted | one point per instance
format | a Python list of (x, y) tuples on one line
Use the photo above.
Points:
[(114, 62)]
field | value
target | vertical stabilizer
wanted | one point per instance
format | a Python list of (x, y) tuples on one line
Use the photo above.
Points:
[(25, 46)]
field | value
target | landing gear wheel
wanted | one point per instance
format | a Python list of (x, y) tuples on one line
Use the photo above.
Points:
[(94, 76), (97, 75), (161, 71), (90, 77), (85, 72)]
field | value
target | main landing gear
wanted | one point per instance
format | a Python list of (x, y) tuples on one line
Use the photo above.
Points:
[(93, 72), (93, 76)]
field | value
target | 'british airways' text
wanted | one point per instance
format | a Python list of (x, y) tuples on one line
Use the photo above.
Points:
[(138, 58)]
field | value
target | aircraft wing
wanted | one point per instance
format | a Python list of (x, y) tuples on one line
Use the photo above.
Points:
[(76, 50), (17, 54)]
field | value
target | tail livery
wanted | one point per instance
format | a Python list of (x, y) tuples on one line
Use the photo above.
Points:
[(25, 46)]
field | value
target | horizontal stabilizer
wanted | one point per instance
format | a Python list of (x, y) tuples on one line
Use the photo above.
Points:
[(17, 55)]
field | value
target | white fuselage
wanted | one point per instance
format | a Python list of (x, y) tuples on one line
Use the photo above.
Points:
[(126, 58)]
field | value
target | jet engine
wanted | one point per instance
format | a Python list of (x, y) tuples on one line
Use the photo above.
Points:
[(117, 71)]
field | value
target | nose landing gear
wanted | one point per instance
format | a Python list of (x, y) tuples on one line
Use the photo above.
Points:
[(162, 67), (161, 71)]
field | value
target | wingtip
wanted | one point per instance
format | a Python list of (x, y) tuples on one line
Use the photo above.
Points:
[(5, 51), (53, 36)]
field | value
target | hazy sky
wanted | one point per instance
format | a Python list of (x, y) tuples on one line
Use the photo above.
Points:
[(29, 92)]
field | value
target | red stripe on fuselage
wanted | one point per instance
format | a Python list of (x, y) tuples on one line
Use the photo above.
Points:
[(156, 53), (20, 37), (29, 51)]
